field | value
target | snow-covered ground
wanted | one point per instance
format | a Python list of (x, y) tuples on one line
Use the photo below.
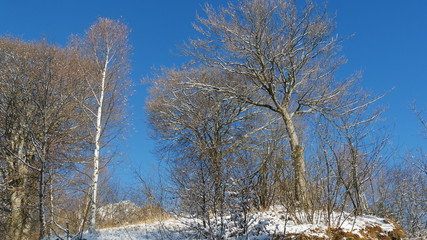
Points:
[(272, 224)]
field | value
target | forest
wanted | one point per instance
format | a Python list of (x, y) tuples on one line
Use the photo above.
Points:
[(256, 118)]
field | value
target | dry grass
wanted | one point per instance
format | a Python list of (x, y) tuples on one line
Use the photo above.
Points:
[(146, 214)]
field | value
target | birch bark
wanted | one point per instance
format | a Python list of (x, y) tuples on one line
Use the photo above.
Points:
[(106, 49), (96, 152)]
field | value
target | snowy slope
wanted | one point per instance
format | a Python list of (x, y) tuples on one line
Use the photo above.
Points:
[(272, 224)]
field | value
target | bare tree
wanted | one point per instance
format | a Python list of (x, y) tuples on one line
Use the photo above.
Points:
[(14, 171), (45, 94), (420, 161), (287, 56), (106, 49), (209, 141), (402, 194), (352, 151), (39, 127)]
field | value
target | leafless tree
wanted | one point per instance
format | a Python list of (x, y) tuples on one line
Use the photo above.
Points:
[(52, 100), (39, 127), (207, 139), (14, 171), (401, 196), (288, 57), (106, 50), (352, 148), (402, 193), (350, 171), (420, 161)]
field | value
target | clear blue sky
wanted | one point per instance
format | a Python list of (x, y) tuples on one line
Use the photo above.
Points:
[(389, 46)]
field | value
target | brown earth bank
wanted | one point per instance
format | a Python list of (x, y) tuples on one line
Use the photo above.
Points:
[(368, 233)]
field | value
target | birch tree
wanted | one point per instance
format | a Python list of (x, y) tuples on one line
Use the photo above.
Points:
[(106, 49), (288, 57)]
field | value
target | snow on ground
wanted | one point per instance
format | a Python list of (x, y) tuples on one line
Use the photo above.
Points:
[(262, 225), (169, 229)]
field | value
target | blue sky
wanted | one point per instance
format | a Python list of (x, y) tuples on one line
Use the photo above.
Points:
[(389, 45)]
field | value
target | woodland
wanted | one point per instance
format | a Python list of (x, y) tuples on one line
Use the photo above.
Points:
[(256, 118)]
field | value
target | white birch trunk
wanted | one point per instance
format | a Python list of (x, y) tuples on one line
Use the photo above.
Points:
[(95, 176), (107, 46)]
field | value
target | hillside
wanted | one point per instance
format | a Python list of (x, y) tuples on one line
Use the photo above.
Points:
[(272, 224)]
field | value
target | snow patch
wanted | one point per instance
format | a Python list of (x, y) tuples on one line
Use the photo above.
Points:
[(262, 225)]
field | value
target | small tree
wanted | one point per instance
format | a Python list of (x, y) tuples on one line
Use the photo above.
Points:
[(420, 161), (210, 141), (406, 183), (351, 150)]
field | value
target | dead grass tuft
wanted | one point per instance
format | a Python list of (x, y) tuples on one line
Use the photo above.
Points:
[(142, 215)]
